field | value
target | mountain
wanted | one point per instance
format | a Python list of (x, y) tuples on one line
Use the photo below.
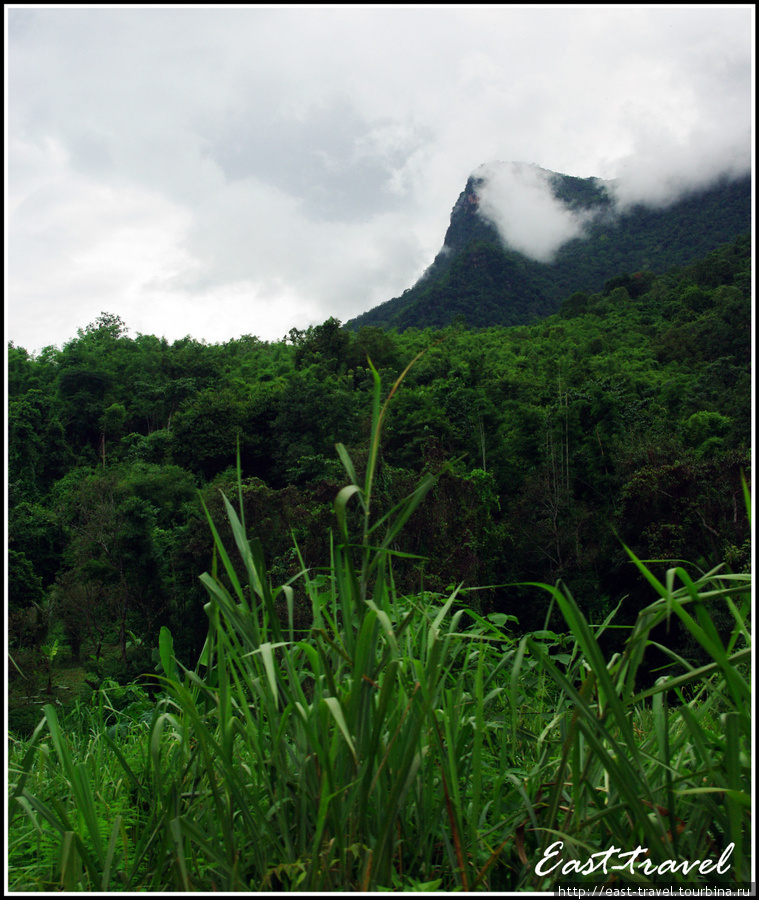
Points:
[(479, 278)]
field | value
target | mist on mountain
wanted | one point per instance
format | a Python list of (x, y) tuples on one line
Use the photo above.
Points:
[(518, 199), (522, 239)]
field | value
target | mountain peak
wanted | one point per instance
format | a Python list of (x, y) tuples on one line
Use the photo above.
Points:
[(522, 238)]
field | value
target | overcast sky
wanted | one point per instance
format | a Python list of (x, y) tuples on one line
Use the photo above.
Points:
[(218, 172)]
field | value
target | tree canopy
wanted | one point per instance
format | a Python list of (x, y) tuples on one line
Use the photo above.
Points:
[(623, 417)]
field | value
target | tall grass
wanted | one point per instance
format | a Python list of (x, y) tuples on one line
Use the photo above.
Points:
[(667, 768), (398, 743)]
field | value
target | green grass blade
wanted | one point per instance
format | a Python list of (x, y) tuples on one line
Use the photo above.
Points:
[(110, 853), (333, 705)]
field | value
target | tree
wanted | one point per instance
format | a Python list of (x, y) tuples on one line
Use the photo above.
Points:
[(113, 560), (574, 305), (24, 584), (326, 344), (37, 450), (314, 412), (376, 344), (106, 326), (112, 423), (207, 427)]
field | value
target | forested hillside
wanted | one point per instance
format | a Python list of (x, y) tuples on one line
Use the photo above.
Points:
[(421, 659), (624, 417), (476, 280)]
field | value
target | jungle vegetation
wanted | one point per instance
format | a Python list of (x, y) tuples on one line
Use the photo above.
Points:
[(342, 622)]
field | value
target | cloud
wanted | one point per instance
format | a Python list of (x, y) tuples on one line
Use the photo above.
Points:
[(517, 199), (691, 123), (304, 161), (663, 168)]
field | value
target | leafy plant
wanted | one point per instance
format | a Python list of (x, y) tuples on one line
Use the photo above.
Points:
[(666, 768), (50, 651)]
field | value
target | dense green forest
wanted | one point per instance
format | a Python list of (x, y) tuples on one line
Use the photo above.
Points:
[(505, 457), (623, 418)]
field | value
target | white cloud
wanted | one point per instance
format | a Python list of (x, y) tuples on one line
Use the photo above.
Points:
[(518, 200), (272, 161)]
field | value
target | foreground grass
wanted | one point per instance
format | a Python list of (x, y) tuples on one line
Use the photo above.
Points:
[(401, 743)]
